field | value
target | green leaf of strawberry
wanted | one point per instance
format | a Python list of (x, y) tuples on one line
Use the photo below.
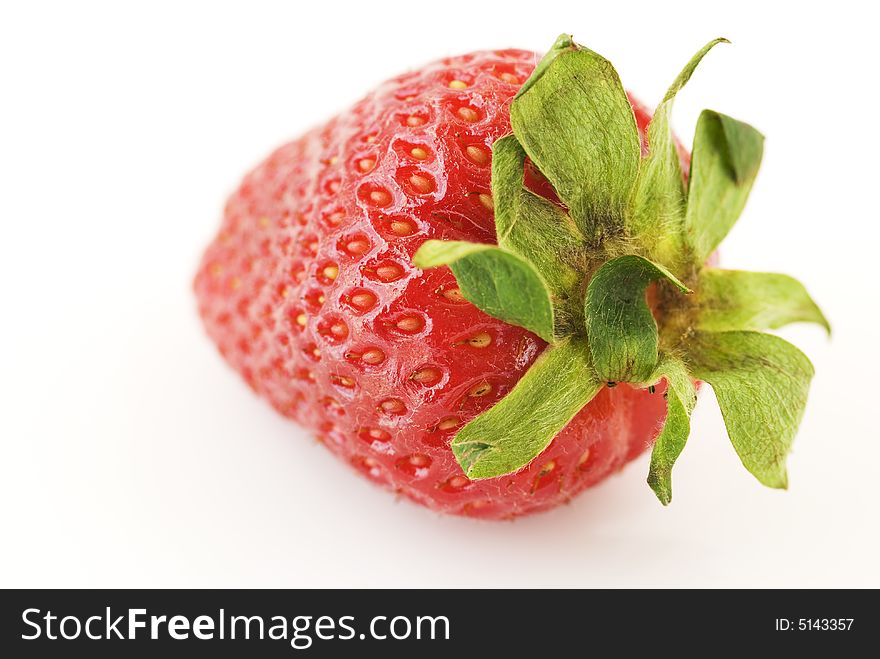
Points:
[(532, 227), (500, 283), (681, 396), (661, 198), (621, 329), (761, 383), (725, 162), (513, 432), (576, 124), (739, 300)]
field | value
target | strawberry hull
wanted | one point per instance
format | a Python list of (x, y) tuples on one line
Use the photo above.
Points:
[(309, 292)]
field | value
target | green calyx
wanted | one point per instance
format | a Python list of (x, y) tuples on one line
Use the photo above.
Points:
[(613, 274)]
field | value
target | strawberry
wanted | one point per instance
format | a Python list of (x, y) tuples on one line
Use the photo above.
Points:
[(355, 283)]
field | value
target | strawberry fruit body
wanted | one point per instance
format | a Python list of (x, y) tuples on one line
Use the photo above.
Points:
[(311, 293)]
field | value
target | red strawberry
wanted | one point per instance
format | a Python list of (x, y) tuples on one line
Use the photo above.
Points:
[(310, 292)]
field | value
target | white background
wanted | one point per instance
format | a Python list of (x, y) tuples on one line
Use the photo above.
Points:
[(132, 456)]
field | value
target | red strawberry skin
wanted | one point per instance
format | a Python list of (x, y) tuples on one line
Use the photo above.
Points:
[(309, 292)]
